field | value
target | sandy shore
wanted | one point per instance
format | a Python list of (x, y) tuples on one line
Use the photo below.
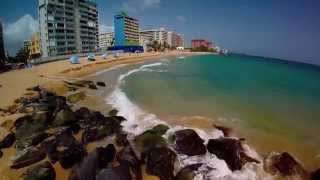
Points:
[(14, 83)]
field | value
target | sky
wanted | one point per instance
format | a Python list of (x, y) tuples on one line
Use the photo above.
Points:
[(286, 29)]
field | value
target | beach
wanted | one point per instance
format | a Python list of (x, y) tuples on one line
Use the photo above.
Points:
[(140, 116)]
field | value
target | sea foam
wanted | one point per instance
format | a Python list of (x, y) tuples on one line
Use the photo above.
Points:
[(139, 120)]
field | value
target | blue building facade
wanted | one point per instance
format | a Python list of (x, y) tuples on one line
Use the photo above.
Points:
[(126, 30)]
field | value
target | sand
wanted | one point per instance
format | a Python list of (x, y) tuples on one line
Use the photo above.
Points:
[(14, 83)]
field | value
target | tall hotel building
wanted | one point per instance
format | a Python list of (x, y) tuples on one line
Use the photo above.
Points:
[(126, 30), (160, 35), (2, 51), (68, 26)]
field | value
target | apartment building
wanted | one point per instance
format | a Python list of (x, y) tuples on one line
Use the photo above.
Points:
[(68, 26)]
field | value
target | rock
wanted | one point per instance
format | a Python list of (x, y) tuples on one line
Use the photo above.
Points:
[(8, 141), (43, 171), (96, 133), (226, 131), (128, 157), (160, 129), (315, 175), (22, 120), (64, 117), (283, 164), (76, 97), (121, 139), (32, 140), (113, 112), (102, 84), (231, 151), (93, 163), (1, 154), (82, 113), (93, 86), (189, 143), (121, 172), (149, 140), (160, 162), (28, 157), (35, 88), (188, 173)]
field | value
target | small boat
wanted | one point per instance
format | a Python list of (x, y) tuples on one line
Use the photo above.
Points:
[(91, 57)]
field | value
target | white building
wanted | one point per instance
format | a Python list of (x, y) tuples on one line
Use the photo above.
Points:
[(151, 35), (175, 40), (106, 40), (68, 26)]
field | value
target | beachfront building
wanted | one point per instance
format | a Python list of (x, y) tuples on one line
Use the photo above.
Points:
[(126, 30), (68, 26), (175, 40), (27, 45), (201, 43), (106, 40), (2, 49), (35, 46), (160, 35)]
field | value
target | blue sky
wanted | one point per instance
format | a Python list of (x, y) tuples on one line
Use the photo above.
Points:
[(287, 29)]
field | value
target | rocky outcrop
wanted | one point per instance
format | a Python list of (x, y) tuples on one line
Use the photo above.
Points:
[(28, 157), (160, 162), (128, 157), (7, 141), (188, 142), (231, 151), (188, 172), (102, 84), (43, 171), (315, 175), (121, 172), (283, 164)]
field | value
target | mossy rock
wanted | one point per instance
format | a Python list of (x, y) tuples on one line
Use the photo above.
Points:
[(76, 97), (43, 171), (64, 117), (149, 140), (160, 129)]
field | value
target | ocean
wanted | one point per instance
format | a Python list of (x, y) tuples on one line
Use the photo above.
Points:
[(272, 103)]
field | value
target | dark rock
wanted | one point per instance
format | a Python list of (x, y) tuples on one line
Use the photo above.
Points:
[(121, 139), (82, 113), (128, 157), (160, 162), (315, 175), (1, 154), (64, 117), (160, 129), (43, 171), (113, 112), (35, 88), (189, 143), (283, 164), (96, 133), (93, 163), (28, 157), (121, 172), (8, 141), (93, 86), (76, 97), (225, 130), (188, 173), (231, 151), (102, 84), (32, 140), (149, 140)]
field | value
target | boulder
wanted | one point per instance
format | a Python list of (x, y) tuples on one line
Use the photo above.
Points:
[(43, 171), (121, 140), (188, 142), (8, 141), (76, 97), (149, 140), (93, 163), (315, 175), (32, 140), (35, 88), (113, 112), (231, 151), (96, 133), (121, 172), (188, 172), (160, 162), (93, 86), (225, 130), (160, 129), (82, 113), (283, 164), (128, 157), (28, 157), (102, 84), (64, 117)]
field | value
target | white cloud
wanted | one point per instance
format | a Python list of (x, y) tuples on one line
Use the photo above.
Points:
[(15, 33), (135, 6), (181, 19), (105, 28)]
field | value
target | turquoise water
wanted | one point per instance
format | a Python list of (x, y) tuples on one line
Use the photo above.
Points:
[(274, 104)]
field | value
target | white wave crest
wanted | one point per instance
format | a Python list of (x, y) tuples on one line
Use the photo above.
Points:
[(138, 121)]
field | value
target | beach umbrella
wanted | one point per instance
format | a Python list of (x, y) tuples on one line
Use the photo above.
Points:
[(91, 57), (104, 56), (74, 60)]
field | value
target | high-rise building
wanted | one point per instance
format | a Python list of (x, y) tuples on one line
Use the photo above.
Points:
[(126, 30), (35, 47), (160, 35), (68, 26), (106, 40), (2, 51), (27, 45), (198, 43), (175, 40)]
